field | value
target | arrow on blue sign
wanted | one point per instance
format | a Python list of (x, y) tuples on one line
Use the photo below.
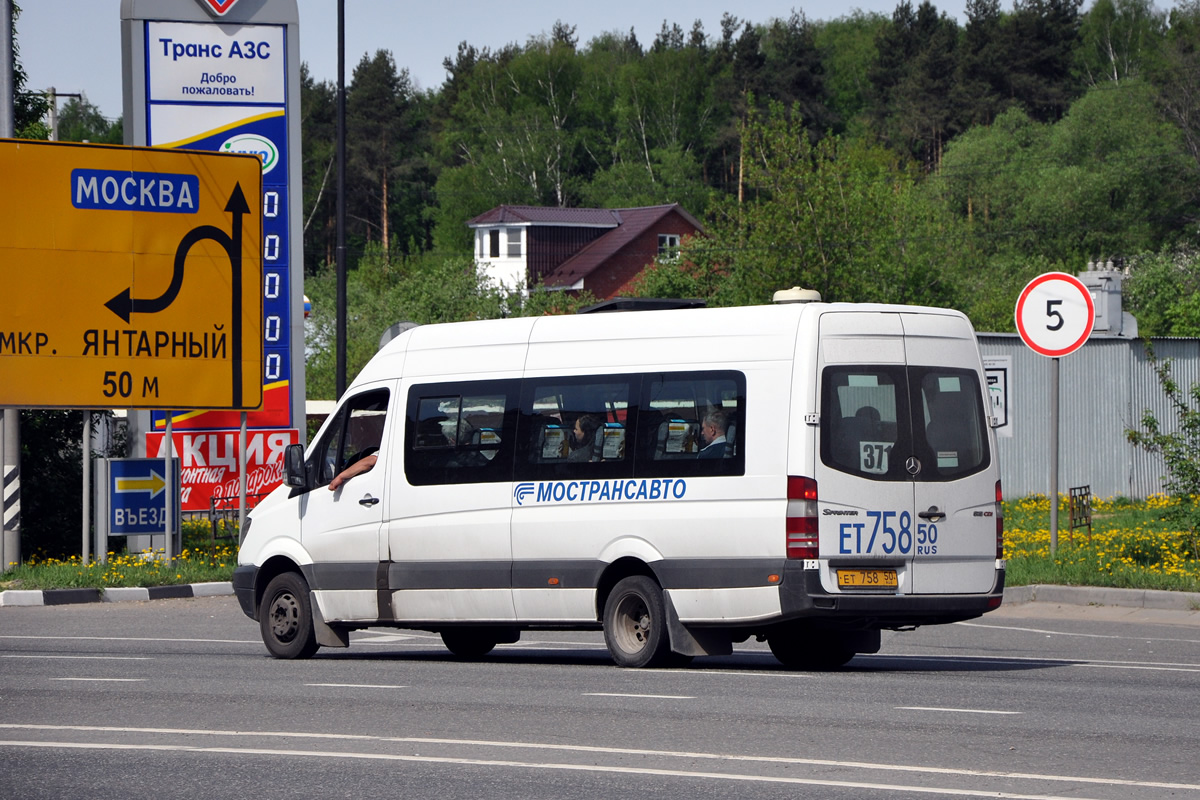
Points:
[(154, 484)]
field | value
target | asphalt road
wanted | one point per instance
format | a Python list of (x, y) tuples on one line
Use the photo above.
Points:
[(177, 698)]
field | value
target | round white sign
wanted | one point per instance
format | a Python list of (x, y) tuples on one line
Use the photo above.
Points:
[(1055, 314)]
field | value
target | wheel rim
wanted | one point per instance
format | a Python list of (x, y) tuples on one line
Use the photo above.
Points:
[(634, 628), (284, 616)]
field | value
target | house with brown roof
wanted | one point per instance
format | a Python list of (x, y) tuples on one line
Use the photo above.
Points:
[(600, 250)]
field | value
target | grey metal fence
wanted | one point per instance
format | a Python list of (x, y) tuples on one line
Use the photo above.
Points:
[(1104, 388)]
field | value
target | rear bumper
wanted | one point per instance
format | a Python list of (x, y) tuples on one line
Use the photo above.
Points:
[(801, 596), (245, 578)]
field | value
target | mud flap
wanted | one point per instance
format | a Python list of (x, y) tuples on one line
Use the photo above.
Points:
[(326, 634), (694, 641)]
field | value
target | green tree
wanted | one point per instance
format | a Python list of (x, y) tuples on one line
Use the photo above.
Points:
[(848, 49), (981, 73), (28, 107), (839, 216), (912, 78), (384, 155), (1107, 179), (425, 289), (1177, 444), (1117, 37), (1176, 75), (80, 121), (318, 122), (1163, 292), (1039, 42)]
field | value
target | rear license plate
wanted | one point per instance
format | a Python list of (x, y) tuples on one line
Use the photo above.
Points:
[(867, 579)]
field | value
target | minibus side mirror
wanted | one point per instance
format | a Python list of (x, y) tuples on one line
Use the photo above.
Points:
[(293, 466)]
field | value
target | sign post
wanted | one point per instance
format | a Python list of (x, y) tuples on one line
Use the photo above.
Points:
[(1054, 316)]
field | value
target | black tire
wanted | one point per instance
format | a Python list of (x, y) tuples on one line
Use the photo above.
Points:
[(798, 648), (285, 618), (469, 643), (635, 624)]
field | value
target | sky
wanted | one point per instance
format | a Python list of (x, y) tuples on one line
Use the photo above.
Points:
[(75, 45)]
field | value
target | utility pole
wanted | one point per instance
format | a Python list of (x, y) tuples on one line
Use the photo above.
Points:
[(341, 201), (53, 94)]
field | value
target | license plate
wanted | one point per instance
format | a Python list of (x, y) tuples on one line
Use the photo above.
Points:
[(867, 579)]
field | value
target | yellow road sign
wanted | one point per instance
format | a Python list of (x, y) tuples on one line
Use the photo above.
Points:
[(131, 276)]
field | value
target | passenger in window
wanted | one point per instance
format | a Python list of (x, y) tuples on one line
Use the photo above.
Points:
[(584, 438), (713, 431), (357, 466)]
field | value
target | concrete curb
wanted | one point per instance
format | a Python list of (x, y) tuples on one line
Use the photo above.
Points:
[(1101, 596), (121, 594)]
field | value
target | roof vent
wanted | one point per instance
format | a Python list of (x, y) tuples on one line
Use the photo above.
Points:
[(797, 295)]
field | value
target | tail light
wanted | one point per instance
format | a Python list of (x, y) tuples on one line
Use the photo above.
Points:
[(999, 522), (802, 534)]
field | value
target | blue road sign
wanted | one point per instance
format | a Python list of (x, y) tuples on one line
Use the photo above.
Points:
[(137, 495)]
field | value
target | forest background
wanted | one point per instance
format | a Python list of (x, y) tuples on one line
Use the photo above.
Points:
[(903, 158)]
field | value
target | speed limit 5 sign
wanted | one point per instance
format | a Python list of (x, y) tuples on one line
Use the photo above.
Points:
[(1055, 314)]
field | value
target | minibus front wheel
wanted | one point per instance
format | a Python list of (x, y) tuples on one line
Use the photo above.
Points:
[(635, 624), (285, 618)]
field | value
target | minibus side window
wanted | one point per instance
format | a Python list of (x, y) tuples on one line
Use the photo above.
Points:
[(460, 432), (356, 432), (576, 427), (692, 424)]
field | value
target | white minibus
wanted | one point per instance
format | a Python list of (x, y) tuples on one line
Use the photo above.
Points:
[(808, 474)]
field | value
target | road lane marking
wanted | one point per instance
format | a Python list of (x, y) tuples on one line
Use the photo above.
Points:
[(594, 749), (91, 658), (531, 765), (1066, 633), (102, 680), (127, 639), (647, 696), (957, 710), (1155, 668), (359, 685)]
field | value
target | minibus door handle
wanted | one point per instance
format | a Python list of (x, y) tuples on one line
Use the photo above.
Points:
[(368, 501), (933, 514)]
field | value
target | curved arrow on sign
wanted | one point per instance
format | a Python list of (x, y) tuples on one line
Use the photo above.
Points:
[(123, 305)]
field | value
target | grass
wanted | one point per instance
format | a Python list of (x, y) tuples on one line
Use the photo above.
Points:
[(1133, 545), (201, 560)]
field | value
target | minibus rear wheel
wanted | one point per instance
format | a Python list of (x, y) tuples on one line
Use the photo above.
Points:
[(635, 624), (798, 648), (285, 618)]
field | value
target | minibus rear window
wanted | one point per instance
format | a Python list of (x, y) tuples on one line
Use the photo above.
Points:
[(874, 419), (864, 421)]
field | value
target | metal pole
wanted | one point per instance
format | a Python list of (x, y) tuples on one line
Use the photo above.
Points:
[(87, 486), (8, 422), (168, 504), (242, 479), (53, 114), (1053, 457), (7, 78), (12, 486), (3, 552), (341, 199)]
